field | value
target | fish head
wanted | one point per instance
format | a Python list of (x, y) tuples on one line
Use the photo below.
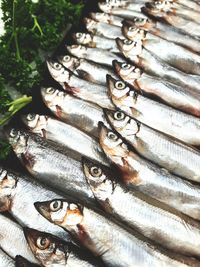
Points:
[(79, 51), (17, 139), (61, 212), (91, 25), (52, 97), (159, 5), (139, 22), (82, 38), (8, 184), (106, 6), (129, 48), (36, 123), (69, 62), (57, 71), (46, 248), (127, 71), (133, 33), (117, 88), (100, 16)]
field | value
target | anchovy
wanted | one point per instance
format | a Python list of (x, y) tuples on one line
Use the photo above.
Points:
[(51, 251), (106, 18), (12, 239), (107, 240), (95, 41), (155, 66), (5, 260), (102, 29), (174, 95), (180, 125), (17, 195), (80, 88), (51, 167), (79, 113), (22, 262), (173, 230), (146, 177), (65, 135), (87, 70)]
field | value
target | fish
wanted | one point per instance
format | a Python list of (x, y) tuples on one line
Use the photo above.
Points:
[(106, 18), (102, 29), (12, 239), (158, 116), (154, 66), (65, 135), (173, 95), (157, 147), (76, 112), (191, 4), (5, 260), (18, 192), (78, 87), (148, 217), (128, 5), (104, 238), (131, 28), (50, 166), (87, 70), (95, 41), (94, 54), (137, 173), (51, 251), (22, 262)]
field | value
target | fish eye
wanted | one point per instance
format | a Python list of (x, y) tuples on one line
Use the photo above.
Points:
[(31, 116), (96, 171), (66, 58), (50, 90), (126, 66), (131, 29), (119, 115), (79, 34), (120, 85), (57, 66), (14, 133), (42, 242), (128, 42), (112, 136), (56, 205)]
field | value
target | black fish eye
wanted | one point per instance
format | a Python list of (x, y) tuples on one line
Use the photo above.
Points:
[(120, 85), (31, 117), (50, 90), (79, 34), (57, 66), (56, 205), (66, 58), (42, 242), (96, 171), (125, 66), (128, 42), (119, 115), (14, 133), (112, 136), (132, 29)]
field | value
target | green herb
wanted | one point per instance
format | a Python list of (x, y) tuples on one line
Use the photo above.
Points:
[(5, 149)]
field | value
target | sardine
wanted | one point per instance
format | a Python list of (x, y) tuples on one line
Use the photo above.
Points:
[(102, 29), (17, 195), (51, 251), (126, 4), (87, 70), (105, 238), (172, 229), (158, 116), (155, 66), (94, 54), (79, 113), (22, 262), (95, 41), (49, 166), (65, 135), (173, 95), (106, 18), (5, 260), (78, 87), (146, 177), (12, 240)]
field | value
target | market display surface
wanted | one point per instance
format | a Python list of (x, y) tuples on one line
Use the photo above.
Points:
[(109, 171)]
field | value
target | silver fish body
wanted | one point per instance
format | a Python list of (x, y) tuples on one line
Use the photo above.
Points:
[(128, 5), (106, 18), (65, 135), (146, 177), (5, 260), (191, 4), (77, 112), (173, 95)]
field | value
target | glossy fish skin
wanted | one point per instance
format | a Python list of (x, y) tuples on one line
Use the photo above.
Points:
[(155, 66), (143, 214), (127, 5), (173, 95), (17, 195), (49, 166), (51, 251), (78, 87), (5, 260), (106, 18), (175, 123), (94, 54), (103, 237), (95, 41), (146, 177), (22, 262), (77, 112), (12, 239), (65, 135), (190, 4)]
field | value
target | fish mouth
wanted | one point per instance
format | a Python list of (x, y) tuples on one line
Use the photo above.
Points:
[(31, 236), (120, 44), (125, 29), (117, 65), (110, 84), (109, 115), (43, 209)]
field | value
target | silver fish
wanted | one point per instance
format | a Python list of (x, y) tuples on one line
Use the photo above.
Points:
[(17, 195), (182, 126), (5, 260), (49, 166), (191, 4), (22, 262), (173, 95), (103, 237), (78, 87), (87, 70), (102, 29), (94, 54), (155, 66), (128, 5), (148, 217), (77, 112), (65, 135), (12, 239), (106, 18), (51, 251), (146, 177)]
